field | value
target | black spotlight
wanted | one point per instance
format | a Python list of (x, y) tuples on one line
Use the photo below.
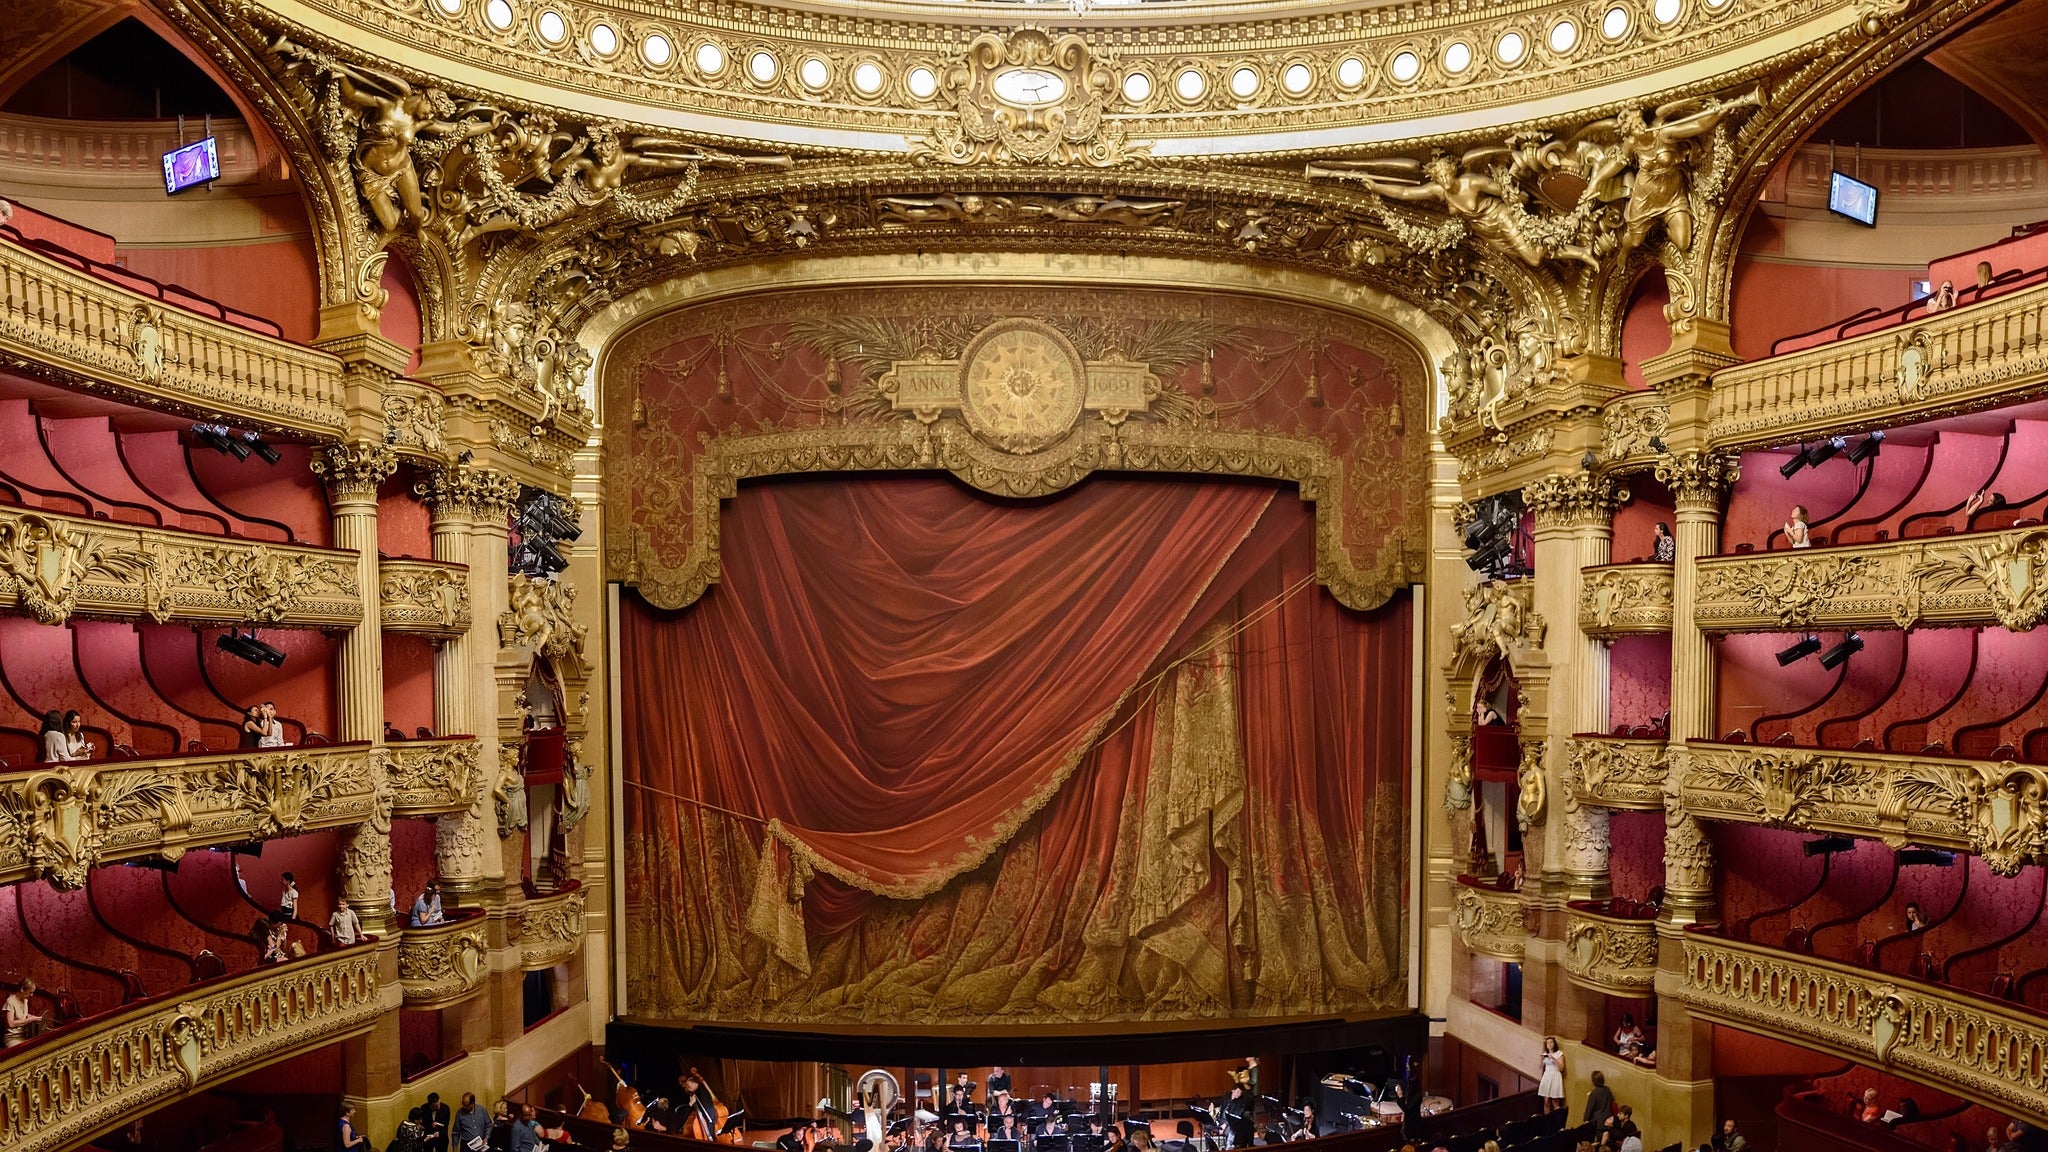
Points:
[(1589, 461), (256, 445), (1806, 646), (1934, 856), (1825, 450), (249, 648), (1657, 445), (1868, 448), (1797, 462), (1828, 845), (1839, 655)]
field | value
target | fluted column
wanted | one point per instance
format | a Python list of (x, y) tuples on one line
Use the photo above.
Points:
[(1698, 481), (353, 472), (1574, 515), (470, 507)]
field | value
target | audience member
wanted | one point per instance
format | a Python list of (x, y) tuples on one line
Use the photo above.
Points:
[(1620, 1128), (272, 735), (1486, 716), (1916, 921), (347, 1139), (427, 909), (288, 900), (525, 1131), (1628, 1038), (1943, 297), (620, 1140), (64, 738), (1796, 530), (20, 1018), (411, 1135), (253, 727), (1728, 1139), (435, 1116), (1599, 1100), (472, 1123), (1664, 547), (1870, 1111), (345, 926)]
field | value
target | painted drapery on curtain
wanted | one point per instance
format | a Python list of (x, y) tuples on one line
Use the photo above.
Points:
[(927, 756)]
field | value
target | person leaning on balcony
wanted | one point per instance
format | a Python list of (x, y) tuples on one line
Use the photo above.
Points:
[(1599, 1101), (347, 1139), (345, 926), (426, 910), (19, 1016), (1796, 530)]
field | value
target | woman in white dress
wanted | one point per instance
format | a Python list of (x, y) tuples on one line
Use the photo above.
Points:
[(1550, 1085)]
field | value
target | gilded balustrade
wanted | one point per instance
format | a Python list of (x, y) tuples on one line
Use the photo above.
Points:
[(1488, 920), (1625, 600), (1998, 579), (58, 822), (1616, 772), (1973, 356), (433, 777), (63, 1090), (1996, 809), (424, 597), (1608, 953), (60, 324), (1986, 1050), (551, 928), (54, 566), (443, 963)]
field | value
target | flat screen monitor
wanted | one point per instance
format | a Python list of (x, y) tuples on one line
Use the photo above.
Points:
[(1848, 196), (191, 165)]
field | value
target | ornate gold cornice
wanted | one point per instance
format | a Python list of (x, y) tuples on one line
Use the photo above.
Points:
[(444, 964), (1977, 1048), (1995, 809), (426, 597), (58, 823), (353, 471), (1573, 499), (1625, 600), (550, 928), (164, 1048), (1698, 479), (1489, 921), (56, 567), (1612, 954), (1980, 578), (433, 777), (469, 492), (1615, 772)]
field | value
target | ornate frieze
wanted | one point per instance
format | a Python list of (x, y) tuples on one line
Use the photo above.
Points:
[(1499, 621), (1625, 600), (413, 415), (1996, 809), (432, 777), (1981, 1049), (1027, 96), (61, 325), (428, 597), (1613, 772), (55, 567), (542, 617), (444, 963), (62, 1091), (1613, 954), (1987, 578), (58, 823), (1488, 920), (1569, 499), (1633, 427), (551, 928)]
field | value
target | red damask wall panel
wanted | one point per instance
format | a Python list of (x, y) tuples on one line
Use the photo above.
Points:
[(1635, 857), (1635, 523), (1638, 680), (286, 492), (409, 683), (404, 527), (1774, 299)]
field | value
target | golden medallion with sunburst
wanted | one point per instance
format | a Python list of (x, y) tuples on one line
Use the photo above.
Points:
[(1021, 385)]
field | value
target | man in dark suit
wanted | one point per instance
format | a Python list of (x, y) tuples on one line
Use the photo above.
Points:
[(1599, 1102), (437, 1123)]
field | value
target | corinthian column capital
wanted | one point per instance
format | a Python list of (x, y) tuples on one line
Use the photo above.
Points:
[(1699, 479), (468, 491), (1573, 499), (353, 471)]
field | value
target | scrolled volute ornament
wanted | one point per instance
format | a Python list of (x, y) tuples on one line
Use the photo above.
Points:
[(1027, 96)]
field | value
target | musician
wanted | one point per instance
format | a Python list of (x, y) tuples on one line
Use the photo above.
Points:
[(792, 1140), (1306, 1130), (1002, 1125), (697, 1102), (960, 1095), (998, 1081), (1049, 1121), (1236, 1116), (962, 1138)]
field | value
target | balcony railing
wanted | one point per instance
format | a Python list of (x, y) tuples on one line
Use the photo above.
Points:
[(60, 1090), (80, 330), (1625, 600), (55, 566), (59, 821), (1974, 355), (1985, 1050), (1995, 809), (445, 963), (1489, 919), (427, 597), (1989, 578), (1609, 953), (551, 928), (1617, 771), (433, 777)]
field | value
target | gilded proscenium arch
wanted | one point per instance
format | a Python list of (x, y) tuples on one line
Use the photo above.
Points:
[(894, 447)]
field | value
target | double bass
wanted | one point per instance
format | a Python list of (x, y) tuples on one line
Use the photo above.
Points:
[(626, 1098), (704, 1117)]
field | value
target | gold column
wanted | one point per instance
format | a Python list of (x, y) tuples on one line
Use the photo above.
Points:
[(1698, 482), (470, 509), (353, 472), (1574, 515)]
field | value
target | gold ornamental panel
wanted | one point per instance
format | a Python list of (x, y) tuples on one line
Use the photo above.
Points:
[(425, 597), (1488, 921), (96, 1075), (1616, 772), (1612, 954), (1984, 1050), (1625, 600), (433, 777), (1976, 578), (445, 963), (551, 928)]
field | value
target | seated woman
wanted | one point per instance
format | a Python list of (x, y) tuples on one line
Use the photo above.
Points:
[(1628, 1039), (19, 1017)]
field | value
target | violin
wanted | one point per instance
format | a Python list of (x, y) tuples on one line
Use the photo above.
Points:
[(704, 1117)]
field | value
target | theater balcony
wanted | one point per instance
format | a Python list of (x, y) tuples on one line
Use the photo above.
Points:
[(1983, 1050), (1989, 808), (1625, 770), (1611, 946), (445, 963), (551, 927), (434, 776), (423, 597), (62, 1089), (1625, 600), (1488, 919)]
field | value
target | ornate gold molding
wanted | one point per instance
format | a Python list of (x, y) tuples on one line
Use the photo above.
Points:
[(55, 567), (1570, 499), (541, 616), (1978, 578), (469, 491), (444, 964), (60, 325), (433, 777), (1981, 1049), (550, 928), (414, 416), (1625, 600), (1532, 794), (1613, 772), (1995, 809), (1698, 479), (1489, 921), (352, 472), (1632, 429), (58, 823), (1500, 620), (427, 597), (67, 1089), (1613, 954)]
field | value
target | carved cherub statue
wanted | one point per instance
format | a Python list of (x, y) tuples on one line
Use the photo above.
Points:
[(1494, 210), (395, 118), (1649, 160)]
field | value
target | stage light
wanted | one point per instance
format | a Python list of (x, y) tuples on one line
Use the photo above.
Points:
[(249, 648), (1933, 856), (1868, 448), (537, 557), (1806, 646), (1797, 462), (1839, 655), (214, 436), (1589, 461), (1657, 445), (256, 445), (1828, 845), (1825, 450)]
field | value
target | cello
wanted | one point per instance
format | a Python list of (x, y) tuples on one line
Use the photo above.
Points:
[(703, 1117)]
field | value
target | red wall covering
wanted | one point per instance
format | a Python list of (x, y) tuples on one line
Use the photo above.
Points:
[(286, 491), (400, 320), (278, 280), (1774, 299), (1644, 331), (409, 683), (1638, 680), (404, 526), (1635, 523), (1635, 858), (412, 860)]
